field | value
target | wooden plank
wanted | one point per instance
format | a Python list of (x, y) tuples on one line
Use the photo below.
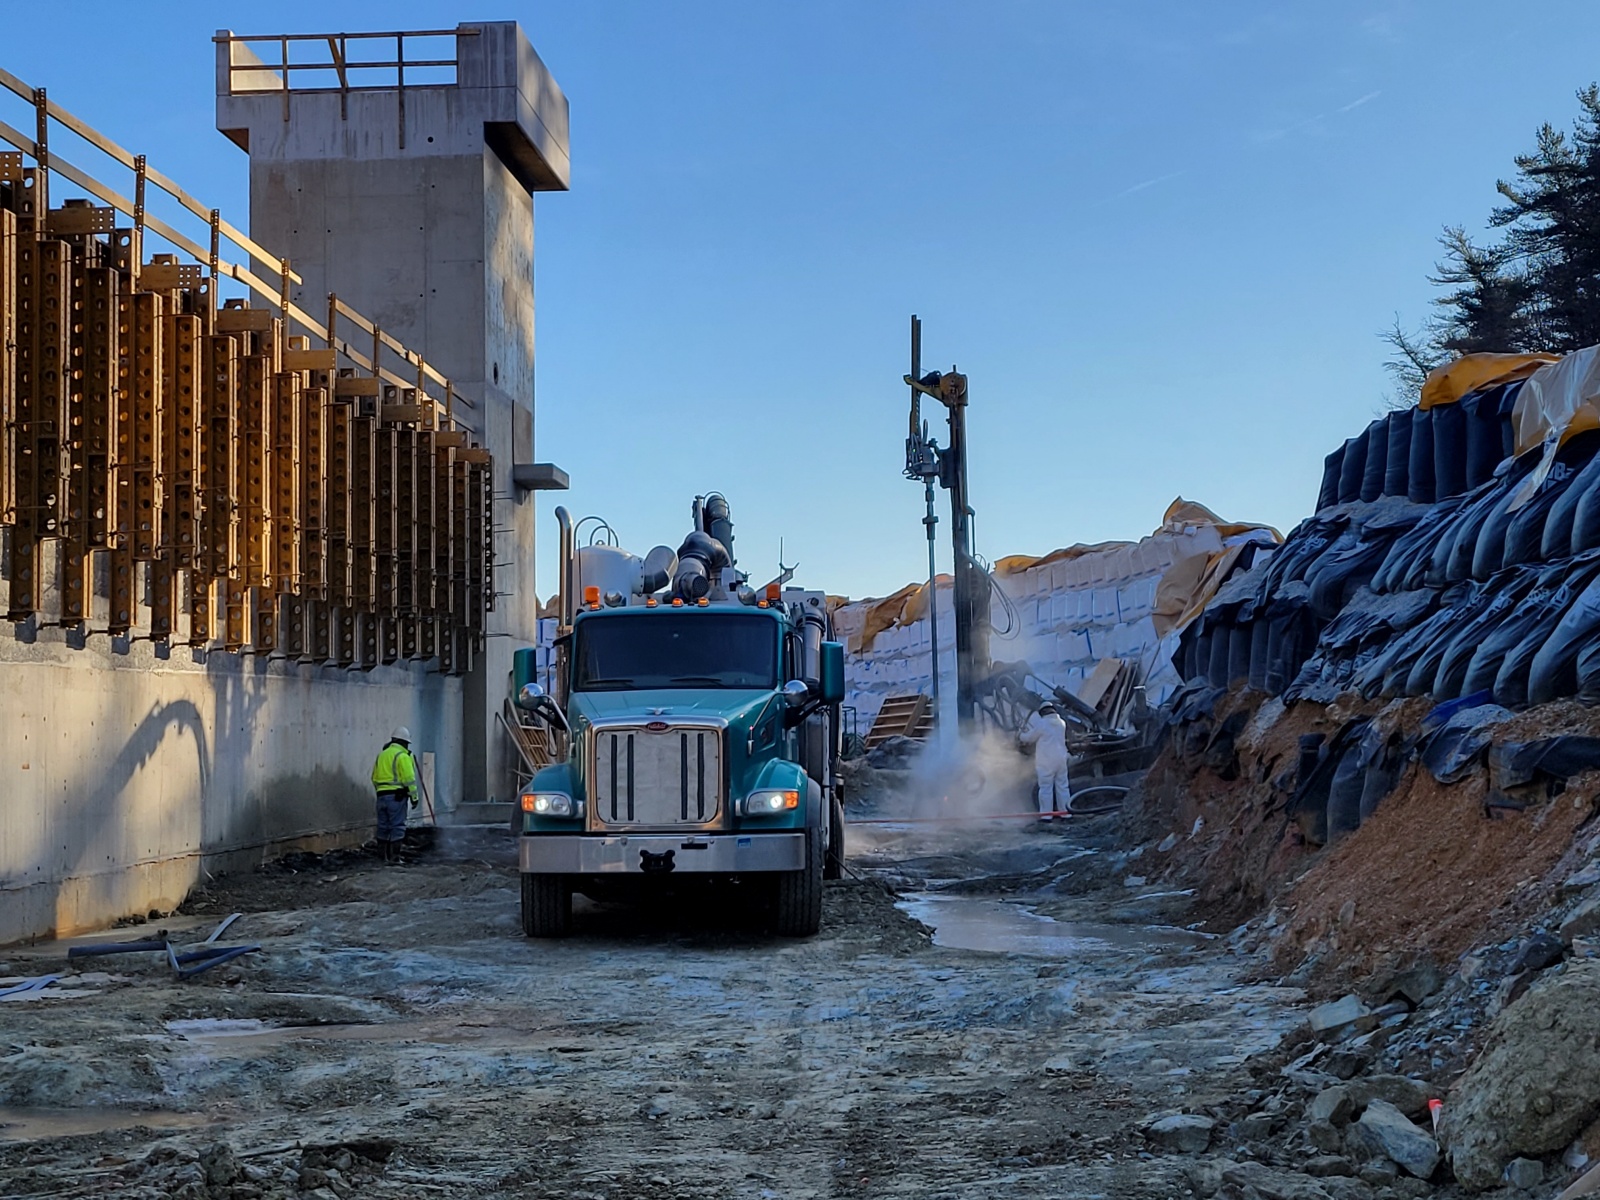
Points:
[(1099, 682)]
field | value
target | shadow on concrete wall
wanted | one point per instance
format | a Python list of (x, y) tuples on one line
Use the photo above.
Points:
[(99, 817)]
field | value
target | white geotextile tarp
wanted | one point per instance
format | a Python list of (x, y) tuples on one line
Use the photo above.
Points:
[(1069, 615)]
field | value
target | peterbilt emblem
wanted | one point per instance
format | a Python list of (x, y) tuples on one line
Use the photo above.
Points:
[(657, 727)]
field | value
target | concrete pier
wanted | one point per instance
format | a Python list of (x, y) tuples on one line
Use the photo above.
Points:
[(414, 202)]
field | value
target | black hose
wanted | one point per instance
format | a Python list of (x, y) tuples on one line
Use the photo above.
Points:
[(1079, 793)]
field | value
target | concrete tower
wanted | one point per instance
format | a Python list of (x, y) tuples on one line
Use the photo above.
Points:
[(410, 196)]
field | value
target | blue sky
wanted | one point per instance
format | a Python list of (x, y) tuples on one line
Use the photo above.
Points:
[(1161, 239)]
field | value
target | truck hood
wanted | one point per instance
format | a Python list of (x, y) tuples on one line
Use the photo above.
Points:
[(737, 706)]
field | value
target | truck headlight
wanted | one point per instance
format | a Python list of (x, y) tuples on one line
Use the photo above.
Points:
[(548, 804), (769, 803)]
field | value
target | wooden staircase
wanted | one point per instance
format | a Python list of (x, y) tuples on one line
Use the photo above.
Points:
[(909, 716)]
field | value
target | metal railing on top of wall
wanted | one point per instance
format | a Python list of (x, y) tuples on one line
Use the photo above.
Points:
[(249, 72), (409, 370)]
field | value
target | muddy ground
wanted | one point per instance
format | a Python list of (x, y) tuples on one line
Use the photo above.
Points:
[(397, 1036)]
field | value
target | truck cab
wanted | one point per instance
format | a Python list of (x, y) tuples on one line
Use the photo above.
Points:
[(702, 736)]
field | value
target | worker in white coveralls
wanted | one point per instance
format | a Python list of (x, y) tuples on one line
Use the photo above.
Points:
[(394, 778), (1046, 732)]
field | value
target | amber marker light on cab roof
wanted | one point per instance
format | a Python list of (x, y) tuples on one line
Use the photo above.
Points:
[(703, 602), (591, 597)]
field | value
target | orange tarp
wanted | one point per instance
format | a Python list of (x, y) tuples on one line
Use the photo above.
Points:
[(1183, 512), (1447, 384), (882, 615), (1016, 564)]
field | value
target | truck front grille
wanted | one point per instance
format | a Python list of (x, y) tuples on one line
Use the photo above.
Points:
[(646, 778)]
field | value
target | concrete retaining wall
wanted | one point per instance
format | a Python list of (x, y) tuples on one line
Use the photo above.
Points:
[(124, 777)]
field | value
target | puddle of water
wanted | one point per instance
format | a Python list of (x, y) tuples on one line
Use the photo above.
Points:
[(33, 1124), (980, 923)]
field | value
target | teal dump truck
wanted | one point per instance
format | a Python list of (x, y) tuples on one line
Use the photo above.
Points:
[(700, 723)]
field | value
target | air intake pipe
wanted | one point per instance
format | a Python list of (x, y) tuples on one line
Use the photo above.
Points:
[(700, 558), (717, 520)]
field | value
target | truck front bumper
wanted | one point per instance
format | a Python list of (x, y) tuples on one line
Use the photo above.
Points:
[(660, 854)]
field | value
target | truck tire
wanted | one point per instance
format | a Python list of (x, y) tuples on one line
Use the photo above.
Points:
[(799, 899), (546, 906), (834, 867)]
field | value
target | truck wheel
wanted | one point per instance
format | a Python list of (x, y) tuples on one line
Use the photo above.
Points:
[(546, 906), (834, 868), (799, 907)]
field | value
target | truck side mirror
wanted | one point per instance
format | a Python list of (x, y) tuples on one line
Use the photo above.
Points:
[(530, 697), (831, 681)]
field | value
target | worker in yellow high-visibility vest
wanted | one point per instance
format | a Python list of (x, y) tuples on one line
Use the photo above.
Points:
[(394, 777)]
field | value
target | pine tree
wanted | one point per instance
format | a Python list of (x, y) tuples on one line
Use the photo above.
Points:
[(1491, 305), (1552, 219)]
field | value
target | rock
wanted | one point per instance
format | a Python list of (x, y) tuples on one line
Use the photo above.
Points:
[(1509, 990), (312, 1178), (1387, 1130), (1582, 880), (1325, 1166), (1537, 953), (1340, 1187), (1187, 1133), (1323, 1136), (1524, 1173), (1410, 1096), (1271, 1184), (1380, 1172), (1333, 1105), (1134, 881), (1167, 843), (1583, 920), (1586, 947), (220, 1165), (1534, 1085), (1205, 1176), (1061, 1064), (1257, 1127), (1416, 984), (1348, 1062), (1339, 1015)]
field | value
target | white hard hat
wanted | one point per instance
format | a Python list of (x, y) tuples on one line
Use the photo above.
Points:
[(401, 734)]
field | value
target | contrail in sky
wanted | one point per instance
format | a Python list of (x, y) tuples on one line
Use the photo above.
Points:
[(1139, 187)]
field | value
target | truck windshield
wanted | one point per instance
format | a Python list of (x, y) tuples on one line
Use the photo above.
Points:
[(675, 650)]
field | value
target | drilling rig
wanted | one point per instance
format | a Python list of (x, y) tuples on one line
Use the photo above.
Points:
[(927, 461)]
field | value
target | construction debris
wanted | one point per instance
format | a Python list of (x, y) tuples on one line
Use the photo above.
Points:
[(185, 965)]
